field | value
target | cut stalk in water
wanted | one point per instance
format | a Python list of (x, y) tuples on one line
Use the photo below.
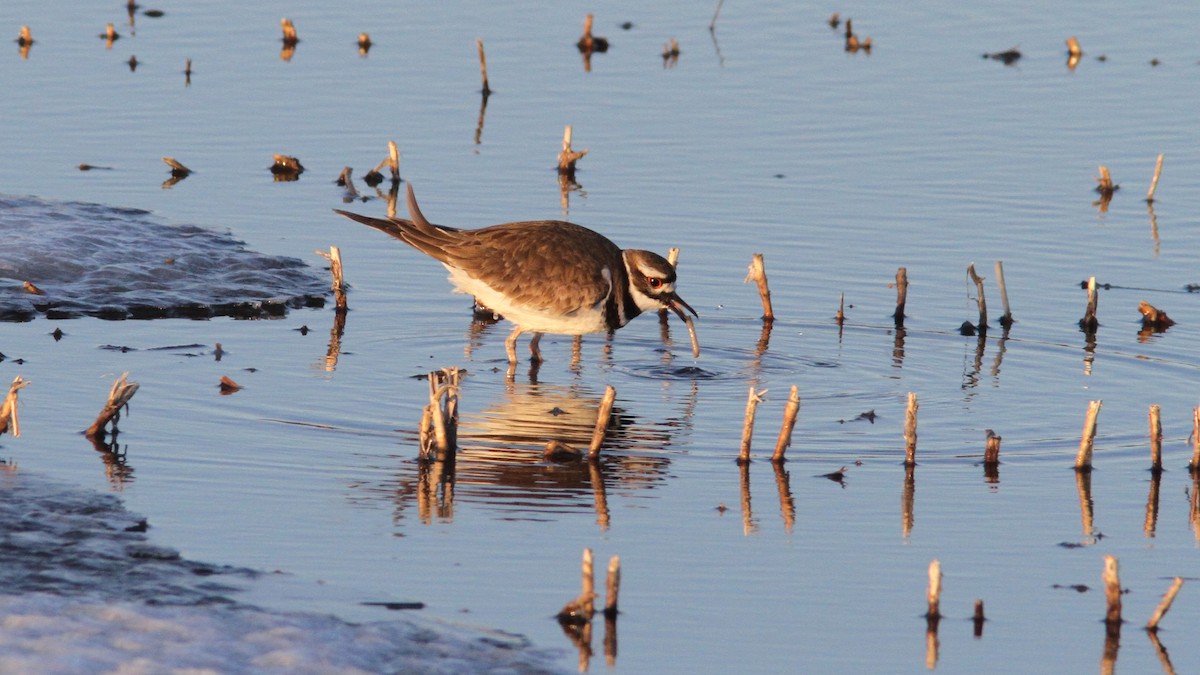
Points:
[(934, 594), (1083, 460), (979, 299), (1194, 465), (1112, 591), (758, 274), (568, 156), (613, 586), (991, 453), (789, 423), (118, 398), (1154, 181), (901, 293), (910, 430), (335, 269), (602, 418), (1164, 605), (1156, 436), (8, 409), (483, 67), (752, 402), (1007, 319), (1089, 323)]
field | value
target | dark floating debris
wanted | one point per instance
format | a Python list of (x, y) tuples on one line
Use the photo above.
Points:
[(286, 168), (187, 73), (133, 63), (154, 13), (1078, 588), (1007, 57), (396, 606), (834, 21), (1154, 319), (670, 53), (110, 34), (178, 172), (228, 386), (854, 43), (589, 43), (838, 476)]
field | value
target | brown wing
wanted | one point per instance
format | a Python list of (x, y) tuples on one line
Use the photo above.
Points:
[(547, 264)]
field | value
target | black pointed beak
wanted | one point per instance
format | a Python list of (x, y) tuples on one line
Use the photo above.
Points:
[(677, 305)]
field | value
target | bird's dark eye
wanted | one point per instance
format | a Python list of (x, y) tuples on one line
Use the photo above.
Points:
[(654, 282)]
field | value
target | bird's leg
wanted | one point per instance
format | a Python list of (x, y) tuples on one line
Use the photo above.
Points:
[(535, 354), (510, 345)]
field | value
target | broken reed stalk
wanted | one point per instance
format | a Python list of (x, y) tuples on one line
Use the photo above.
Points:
[(1105, 184), (991, 454), (1083, 460), (588, 585), (1164, 605), (935, 590), (613, 586), (25, 38), (1156, 436), (118, 398), (177, 168), (1089, 323), (979, 297), (1154, 181), (758, 274), (1005, 320), (840, 317), (752, 402), (673, 256), (910, 430), (978, 617), (789, 423), (1073, 48), (1112, 591), (568, 157), (603, 415), (443, 417), (289, 32), (712, 25), (8, 409), (483, 67), (901, 293), (335, 269), (1194, 465)]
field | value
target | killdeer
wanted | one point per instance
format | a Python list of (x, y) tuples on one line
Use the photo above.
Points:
[(545, 276)]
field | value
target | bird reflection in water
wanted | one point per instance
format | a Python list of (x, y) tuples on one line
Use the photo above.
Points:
[(500, 461)]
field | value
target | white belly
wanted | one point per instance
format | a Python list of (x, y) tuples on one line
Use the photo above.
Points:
[(578, 322)]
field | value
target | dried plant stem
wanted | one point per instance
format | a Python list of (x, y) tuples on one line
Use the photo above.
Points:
[(444, 416), (613, 586), (991, 454), (289, 32), (118, 398), (603, 415), (568, 157), (8, 409), (1156, 436), (712, 25), (1073, 48), (1083, 460), (901, 290), (840, 317), (979, 297), (1164, 606), (910, 430), (483, 67), (935, 590), (335, 269), (1194, 465), (789, 423), (752, 402), (1089, 323), (588, 584), (1005, 320), (758, 274), (1112, 591), (1154, 181), (979, 618), (673, 256)]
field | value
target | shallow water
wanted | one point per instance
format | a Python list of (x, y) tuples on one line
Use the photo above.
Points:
[(771, 138)]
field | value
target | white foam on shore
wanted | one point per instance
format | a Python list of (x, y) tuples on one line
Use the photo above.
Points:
[(86, 592)]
